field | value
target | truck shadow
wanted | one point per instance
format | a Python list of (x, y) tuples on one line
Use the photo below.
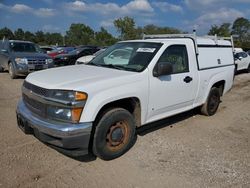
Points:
[(141, 131), (83, 158), (170, 121)]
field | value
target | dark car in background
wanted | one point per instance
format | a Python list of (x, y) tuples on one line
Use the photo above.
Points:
[(22, 57), (71, 57), (60, 50)]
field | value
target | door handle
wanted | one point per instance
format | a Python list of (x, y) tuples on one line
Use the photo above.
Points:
[(187, 79)]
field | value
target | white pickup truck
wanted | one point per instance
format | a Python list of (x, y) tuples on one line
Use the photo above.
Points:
[(97, 107)]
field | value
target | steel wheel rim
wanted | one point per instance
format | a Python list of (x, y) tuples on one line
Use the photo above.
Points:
[(117, 128)]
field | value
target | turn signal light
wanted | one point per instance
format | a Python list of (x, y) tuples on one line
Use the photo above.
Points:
[(79, 96), (76, 114)]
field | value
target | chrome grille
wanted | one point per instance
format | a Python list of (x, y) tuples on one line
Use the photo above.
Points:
[(35, 106), (36, 89), (36, 61)]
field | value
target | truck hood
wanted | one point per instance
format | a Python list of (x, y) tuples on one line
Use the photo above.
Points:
[(81, 78), (29, 55)]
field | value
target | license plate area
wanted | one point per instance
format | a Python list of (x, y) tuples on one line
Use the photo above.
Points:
[(37, 67)]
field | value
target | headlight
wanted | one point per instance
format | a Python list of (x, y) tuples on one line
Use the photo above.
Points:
[(48, 61), (79, 62), (65, 114), (21, 61), (70, 96)]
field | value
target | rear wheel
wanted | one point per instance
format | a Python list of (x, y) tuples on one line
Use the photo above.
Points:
[(12, 71), (235, 70), (1, 69), (114, 134), (211, 105)]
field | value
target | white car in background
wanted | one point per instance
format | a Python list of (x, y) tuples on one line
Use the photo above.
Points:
[(242, 60), (88, 58)]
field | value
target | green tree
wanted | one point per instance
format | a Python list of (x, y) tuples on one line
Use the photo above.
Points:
[(126, 27), (19, 34), (79, 34), (222, 30), (29, 36), (104, 38), (7, 33), (241, 28), (153, 29), (53, 39), (40, 37)]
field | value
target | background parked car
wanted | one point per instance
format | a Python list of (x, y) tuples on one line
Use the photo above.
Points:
[(60, 50), (22, 57), (88, 58), (47, 49), (71, 57), (242, 61)]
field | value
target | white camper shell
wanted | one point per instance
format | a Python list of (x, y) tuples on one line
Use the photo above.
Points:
[(212, 51)]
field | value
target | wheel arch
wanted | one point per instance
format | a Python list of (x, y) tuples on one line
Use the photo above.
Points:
[(220, 85), (132, 104)]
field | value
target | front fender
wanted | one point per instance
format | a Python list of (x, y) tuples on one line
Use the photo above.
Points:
[(96, 101)]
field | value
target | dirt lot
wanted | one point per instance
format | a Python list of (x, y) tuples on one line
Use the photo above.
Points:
[(188, 150)]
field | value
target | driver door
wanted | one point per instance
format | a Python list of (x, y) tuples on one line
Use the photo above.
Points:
[(170, 94)]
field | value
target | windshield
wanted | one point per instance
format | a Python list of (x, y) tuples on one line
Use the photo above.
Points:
[(130, 56), (23, 47)]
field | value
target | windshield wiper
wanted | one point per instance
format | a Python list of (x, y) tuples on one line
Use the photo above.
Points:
[(119, 67), (91, 63), (112, 66)]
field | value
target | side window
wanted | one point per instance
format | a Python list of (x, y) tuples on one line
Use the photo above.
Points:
[(177, 56)]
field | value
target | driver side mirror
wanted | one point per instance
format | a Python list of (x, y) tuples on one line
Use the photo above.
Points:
[(163, 68)]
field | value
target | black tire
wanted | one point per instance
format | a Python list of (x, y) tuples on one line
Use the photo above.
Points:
[(248, 69), (12, 71), (212, 103), (1, 69), (114, 134), (235, 70)]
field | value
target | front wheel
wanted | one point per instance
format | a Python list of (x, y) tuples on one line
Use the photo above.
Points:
[(211, 105), (114, 134), (12, 71)]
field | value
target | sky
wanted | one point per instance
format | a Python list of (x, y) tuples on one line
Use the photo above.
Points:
[(58, 15)]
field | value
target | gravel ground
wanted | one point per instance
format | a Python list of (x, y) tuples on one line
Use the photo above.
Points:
[(188, 150)]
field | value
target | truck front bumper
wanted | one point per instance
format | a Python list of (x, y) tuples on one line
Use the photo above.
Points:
[(70, 139)]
